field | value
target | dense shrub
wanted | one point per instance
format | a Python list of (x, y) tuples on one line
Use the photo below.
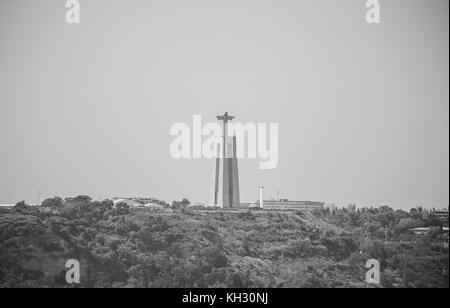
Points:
[(187, 247)]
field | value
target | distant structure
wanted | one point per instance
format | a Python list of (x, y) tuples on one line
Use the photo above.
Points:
[(287, 205), (425, 230), (225, 183), (152, 203), (281, 204), (442, 214), (127, 201), (261, 200), (256, 204)]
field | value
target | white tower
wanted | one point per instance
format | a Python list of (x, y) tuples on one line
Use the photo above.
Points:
[(261, 200)]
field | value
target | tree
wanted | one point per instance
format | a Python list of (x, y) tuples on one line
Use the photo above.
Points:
[(80, 198), (406, 224), (351, 207), (21, 206), (122, 208), (107, 205), (178, 204), (55, 202)]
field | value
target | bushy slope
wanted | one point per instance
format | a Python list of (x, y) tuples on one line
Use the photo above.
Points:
[(178, 248)]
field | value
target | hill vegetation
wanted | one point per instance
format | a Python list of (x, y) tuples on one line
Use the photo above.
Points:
[(182, 247)]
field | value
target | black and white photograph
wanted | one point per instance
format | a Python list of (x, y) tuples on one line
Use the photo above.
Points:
[(222, 151)]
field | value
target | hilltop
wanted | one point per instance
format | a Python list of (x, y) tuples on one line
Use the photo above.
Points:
[(123, 247)]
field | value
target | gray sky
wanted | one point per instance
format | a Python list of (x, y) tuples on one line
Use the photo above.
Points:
[(363, 109)]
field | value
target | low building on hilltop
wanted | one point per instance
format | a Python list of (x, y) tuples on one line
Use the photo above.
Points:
[(286, 205)]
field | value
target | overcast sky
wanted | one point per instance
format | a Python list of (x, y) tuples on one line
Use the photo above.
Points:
[(363, 110)]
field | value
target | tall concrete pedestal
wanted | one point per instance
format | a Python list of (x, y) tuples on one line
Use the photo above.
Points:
[(225, 186)]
